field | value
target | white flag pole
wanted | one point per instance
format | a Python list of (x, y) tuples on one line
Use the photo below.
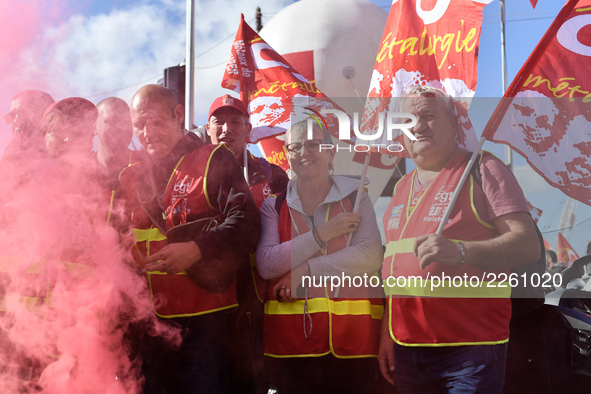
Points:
[(245, 162), (189, 69), (460, 184), (359, 192), (508, 152)]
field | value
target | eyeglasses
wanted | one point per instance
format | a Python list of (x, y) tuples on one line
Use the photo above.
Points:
[(312, 146)]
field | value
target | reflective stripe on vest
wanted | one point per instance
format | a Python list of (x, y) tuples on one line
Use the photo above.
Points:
[(29, 303), (11, 264), (178, 286), (323, 305), (444, 286)]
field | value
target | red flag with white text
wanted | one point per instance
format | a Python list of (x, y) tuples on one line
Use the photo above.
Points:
[(432, 43), (566, 254), (545, 114), (267, 83)]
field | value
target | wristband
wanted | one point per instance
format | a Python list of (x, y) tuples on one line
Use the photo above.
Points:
[(462, 253), (319, 240)]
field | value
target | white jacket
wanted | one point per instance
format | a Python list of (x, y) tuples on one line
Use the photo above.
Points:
[(275, 259)]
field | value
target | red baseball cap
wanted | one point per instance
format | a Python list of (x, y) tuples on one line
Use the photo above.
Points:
[(227, 101)]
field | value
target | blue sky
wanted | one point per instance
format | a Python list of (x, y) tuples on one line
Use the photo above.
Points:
[(97, 49)]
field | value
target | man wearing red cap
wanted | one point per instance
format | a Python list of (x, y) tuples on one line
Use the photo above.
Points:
[(229, 124), (193, 219)]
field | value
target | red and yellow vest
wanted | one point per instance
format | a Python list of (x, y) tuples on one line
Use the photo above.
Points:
[(346, 326), (421, 315), (176, 295)]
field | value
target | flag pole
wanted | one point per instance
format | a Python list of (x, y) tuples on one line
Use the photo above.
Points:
[(189, 69), (245, 163), (460, 184), (359, 192), (508, 152), (242, 98)]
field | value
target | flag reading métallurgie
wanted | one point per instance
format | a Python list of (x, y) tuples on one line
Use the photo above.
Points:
[(546, 112), (432, 43)]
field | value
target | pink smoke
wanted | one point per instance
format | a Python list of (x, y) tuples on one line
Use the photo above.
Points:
[(69, 296), (21, 22), (56, 246), (57, 252)]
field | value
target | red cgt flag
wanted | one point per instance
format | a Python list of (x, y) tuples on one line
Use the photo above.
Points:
[(267, 83), (566, 254), (431, 43), (546, 114)]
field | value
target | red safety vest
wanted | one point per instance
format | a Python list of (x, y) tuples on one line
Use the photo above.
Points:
[(347, 326), (176, 295), (459, 313)]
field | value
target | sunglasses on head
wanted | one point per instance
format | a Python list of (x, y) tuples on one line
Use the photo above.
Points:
[(312, 146)]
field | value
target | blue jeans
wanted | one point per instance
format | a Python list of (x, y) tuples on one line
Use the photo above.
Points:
[(450, 369)]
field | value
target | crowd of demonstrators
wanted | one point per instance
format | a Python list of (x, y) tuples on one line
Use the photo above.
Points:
[(318, 339), (189, 216), (458, 343)]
